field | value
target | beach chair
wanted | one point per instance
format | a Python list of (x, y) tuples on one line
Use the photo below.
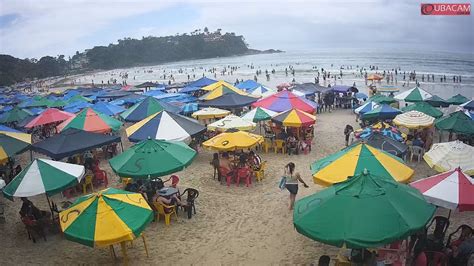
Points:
[(279, 145), (464, 228), (165, 210), (245, 174), (192, 195), (100, 176), (87, 182), (436, 239), (267, 145), (224, 172), (260, 173), (416, 151)]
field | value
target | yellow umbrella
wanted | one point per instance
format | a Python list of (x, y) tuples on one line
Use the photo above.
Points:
[(218, 89), (210, 112), (233, 140)]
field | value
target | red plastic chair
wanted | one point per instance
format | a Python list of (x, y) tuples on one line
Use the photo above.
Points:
[(226, 173), (244, 173), (101, 176), (421, 260)]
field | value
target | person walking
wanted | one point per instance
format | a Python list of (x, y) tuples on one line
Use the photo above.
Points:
[(291, 184)]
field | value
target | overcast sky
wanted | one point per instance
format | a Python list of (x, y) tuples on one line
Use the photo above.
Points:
[(36, 28)]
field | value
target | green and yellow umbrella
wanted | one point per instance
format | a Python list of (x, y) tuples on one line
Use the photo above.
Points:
[(105, 218), (354, 159), (12, 142)]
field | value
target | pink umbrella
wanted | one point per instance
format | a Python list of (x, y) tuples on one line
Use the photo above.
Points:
[(48, 116)]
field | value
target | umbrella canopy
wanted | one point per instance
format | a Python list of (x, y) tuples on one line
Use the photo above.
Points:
[(425, 108), (147, 84), (218, 89), (457, 99), (229, 100), (374, 77), (448, 156), (140, 161), (231, 121), (352, 160), (78, 98), (209, 112), (366, 107), (57, 104), (285, 100), (142, 110), (188, 89), (413, 95), (258, 114), (72, 141), (189, 108), (165, 126), (12, 142), (49, 116), (469, 105), (361, 95), (457, 122), (364, 211), (388, 88), (261, 91), (232, 140), (294, 118), (44, 176), (383, 111), (451, 190), (343, 89), (92, 121), (39, 102), (15, 115), (385, 143), (382, 99), (249, 84), (414, 120), (107, 108), (437, 101), (108, 217), (202, 82), (382, 128)]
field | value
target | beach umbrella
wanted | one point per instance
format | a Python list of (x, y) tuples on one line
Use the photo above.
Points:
[(78, 98), (36, 110), (361, 95), (105, 218), (49, 116), (233, 139), (5, 108), (382, 99), (92, 121), (249, 84), (448, 156), (469, 105), (352, 160), (386, 143), (457, 99), (388, 89), (142, 110), (189, 89), (12, 142), (413, 95), (425, 108), (457, 122), (153, 158), (413, 120), (261, 91), (383, 111), (57, 103), (209, 112), (41, 102), (285, 100), (343, 89), (44, 176), (107, 108), (365, 211), (165, 126), (452, 190), (258, 114), (366, 107), (231, 121), (154, 93), (218, 89), (294, 118), (189, 108), (470, 114), (374, 77), (149, 84), (202, 82), (15, 115), (230, 101), (437, 101)]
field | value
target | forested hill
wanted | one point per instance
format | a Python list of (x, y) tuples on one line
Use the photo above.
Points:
[(127, 52)]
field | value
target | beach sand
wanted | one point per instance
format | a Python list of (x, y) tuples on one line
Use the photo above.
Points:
[(236, 225)]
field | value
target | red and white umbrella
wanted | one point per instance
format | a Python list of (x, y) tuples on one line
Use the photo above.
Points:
[(452, 190)]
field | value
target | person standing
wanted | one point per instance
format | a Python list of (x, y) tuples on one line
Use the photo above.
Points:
[(291, 184), (347, 132)]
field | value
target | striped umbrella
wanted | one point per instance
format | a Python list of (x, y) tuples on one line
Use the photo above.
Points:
[(12, 142), (92, 121), (210, 112), (413, 120), (258, 114), (294, 118), (232, 121), (261, 91), (286, 100), (448, 156), (142, 110), (218, 89), (366, 107), (44, 176), (451, 190), (108, 217), (49, 116), (413, 95), (354, 159)]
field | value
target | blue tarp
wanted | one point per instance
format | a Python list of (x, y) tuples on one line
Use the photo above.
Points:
[(189, 89), (248, 85), (202, 82), (107, 108)]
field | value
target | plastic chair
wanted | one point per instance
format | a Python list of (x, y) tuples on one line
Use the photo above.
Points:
[(421, 260), (87, 182), (165, 210), (464, 228), (266, 145), (224, 172), (192, 195), (243, 173), (260, 173), (416, 151), (436, 239), (101, 176), (279, 145)]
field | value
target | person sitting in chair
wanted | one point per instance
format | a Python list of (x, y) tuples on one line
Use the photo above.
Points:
[(225, 162), (255, 161), (30, 210)]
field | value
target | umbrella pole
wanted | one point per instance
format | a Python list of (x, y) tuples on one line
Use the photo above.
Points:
[(124, 251), (31, 155), (112, 252), (449, 214), (121, 145), (50, 207), (144, 244)]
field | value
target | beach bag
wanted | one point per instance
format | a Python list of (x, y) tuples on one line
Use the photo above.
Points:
[(282, 184)]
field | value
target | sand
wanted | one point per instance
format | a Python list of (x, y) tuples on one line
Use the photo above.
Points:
[(236, 225)]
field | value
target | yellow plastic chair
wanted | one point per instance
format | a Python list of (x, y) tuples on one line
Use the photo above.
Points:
[(160, 207), (126, 181), (266, 145), (87, 182), (260, 174), (279, 145)]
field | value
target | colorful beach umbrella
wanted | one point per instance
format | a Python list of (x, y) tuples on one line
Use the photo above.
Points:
[(437, 101), (452, 190), (382, 128), (261, 91), (362, 212), (383, 112), (78, 98), (231, 121), (386, 143), (57, 103), (12, 142), (142, 110), (202, 82), (152, 158), (382, 99), (352, 160), (258, 114), (388, 89), (247, 85), (457, 122), (294, 118), (218, 89), (457, 99), (230, 101), (107, 108), (284, 101), (413, 120), (425, 108), (210, 113), (165, 126), (105, 218), (44, 176), (448, 156), (41, 102), (92, 121), (361, 95), (413, 95), (366, 107), (49, 116), (15, 115), (189, 108), (232, 140)]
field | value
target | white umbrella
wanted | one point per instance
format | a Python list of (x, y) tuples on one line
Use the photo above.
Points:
[(210, 112), (448, 156), (415, 93), (231, 121), (413, 120)]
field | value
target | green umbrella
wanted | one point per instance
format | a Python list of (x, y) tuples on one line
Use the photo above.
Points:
[(457, 122), (57, 103), (457, 99), (437, 101), (364, 211), (413, 95), (15, 115), (424, 108), (382, 112), (379, 98), (40, 103), (152, 158)]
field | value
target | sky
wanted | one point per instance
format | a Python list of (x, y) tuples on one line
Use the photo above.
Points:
[(32, 28)]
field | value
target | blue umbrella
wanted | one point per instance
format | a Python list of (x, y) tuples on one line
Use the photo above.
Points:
[(36, 110), (248, 85), (189, 89), (189, 108), (154, 93), (107, 108), (361, 95), (202, 82)]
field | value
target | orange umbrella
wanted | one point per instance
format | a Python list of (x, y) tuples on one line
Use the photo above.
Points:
[(374, 77)]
